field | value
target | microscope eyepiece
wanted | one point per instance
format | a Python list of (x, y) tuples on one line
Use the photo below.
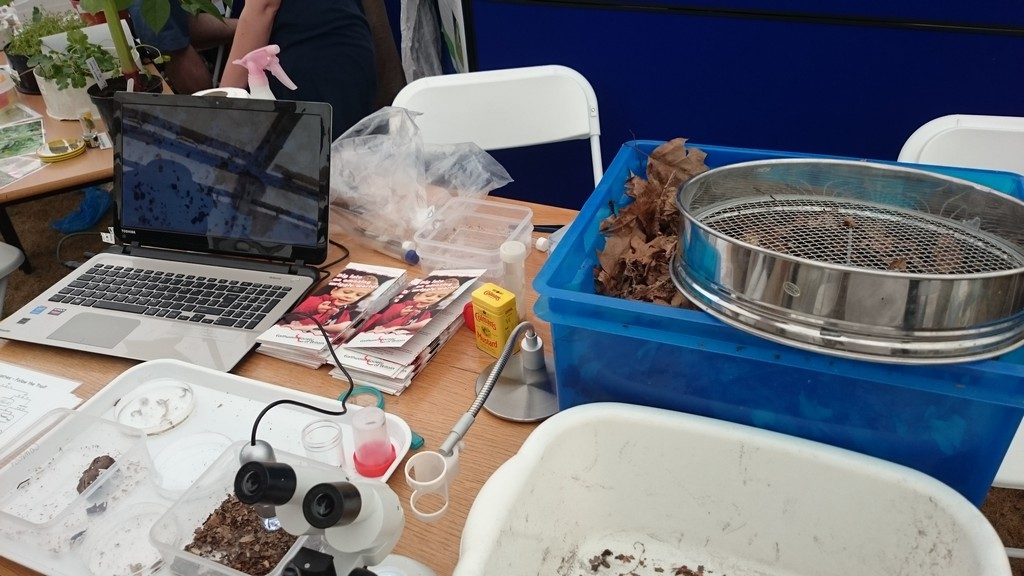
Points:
[(265, 483), (332, 504)]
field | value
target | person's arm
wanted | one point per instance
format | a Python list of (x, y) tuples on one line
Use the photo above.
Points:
[(207, 31), (252, 32)]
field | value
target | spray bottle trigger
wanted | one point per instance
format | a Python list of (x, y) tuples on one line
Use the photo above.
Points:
[(278, 72)]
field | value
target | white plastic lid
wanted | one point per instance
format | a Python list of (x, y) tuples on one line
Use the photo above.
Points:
[(183, 461), (512, 251), (227, 92)]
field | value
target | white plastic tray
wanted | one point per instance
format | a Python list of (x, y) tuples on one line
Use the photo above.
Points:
[(225, 408), (227, 405)]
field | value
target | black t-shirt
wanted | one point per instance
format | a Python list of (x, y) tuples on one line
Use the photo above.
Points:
[(327, 50)]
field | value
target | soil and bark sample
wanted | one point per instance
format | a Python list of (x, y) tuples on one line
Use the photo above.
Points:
[(637, 563), (1004, 509), (234, 536)]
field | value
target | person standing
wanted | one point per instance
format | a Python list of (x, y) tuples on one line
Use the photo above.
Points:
[(181, 38), (326, 49)]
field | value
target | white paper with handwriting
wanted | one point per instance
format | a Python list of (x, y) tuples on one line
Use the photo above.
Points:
[(25, 395)]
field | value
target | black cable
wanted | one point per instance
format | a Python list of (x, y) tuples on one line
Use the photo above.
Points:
[(323, 270), (547, 228), (343, 399), (65, 237)]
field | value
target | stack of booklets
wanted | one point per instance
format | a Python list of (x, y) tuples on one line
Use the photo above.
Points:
[(342, 306), (391, 348)]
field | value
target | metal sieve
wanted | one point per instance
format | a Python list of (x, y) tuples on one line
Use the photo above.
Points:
[(855, 259)]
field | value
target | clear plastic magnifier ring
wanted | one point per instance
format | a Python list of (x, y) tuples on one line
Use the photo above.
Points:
[(428, 474), (321, 440)]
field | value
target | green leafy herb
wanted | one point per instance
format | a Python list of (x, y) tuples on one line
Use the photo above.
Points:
[(69, 68), (27, 41)]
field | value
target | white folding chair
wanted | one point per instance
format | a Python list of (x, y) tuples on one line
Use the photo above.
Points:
[(10, 259), (969, 141), (992, 143), (507, 108)]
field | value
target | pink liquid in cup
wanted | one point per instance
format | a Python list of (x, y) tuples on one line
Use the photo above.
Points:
[(374, 452)]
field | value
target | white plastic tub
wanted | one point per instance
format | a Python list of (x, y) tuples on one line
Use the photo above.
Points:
[(675, 489), (468, 233)]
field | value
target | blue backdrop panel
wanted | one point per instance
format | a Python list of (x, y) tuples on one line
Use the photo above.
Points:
[(817, 84)]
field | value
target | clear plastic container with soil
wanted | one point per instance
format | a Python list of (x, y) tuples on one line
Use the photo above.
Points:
[(208, 531), (72, 474)]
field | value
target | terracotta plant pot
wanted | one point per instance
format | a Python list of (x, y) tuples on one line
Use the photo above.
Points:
[(24, 79), (104, 99)]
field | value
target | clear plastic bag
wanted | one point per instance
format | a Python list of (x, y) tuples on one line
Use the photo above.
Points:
[(386, 183)]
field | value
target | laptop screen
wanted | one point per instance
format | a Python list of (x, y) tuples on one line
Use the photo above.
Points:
[(226, 175)]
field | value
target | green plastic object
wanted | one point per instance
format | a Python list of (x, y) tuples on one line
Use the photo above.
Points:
[(417, 441)]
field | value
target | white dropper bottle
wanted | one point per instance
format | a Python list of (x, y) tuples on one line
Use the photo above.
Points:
[(513, 273)]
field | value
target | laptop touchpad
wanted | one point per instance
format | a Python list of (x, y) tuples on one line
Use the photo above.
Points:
[(95, 330)]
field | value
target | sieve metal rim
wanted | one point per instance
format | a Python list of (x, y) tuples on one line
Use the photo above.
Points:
[(905, 350), (897, 169)]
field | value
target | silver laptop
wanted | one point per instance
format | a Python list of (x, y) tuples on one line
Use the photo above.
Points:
[(221, 210)]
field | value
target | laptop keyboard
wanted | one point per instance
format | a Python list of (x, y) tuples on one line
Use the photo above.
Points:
[(184, 297)]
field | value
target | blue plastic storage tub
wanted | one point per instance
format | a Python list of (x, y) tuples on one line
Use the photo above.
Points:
[(953, 422)]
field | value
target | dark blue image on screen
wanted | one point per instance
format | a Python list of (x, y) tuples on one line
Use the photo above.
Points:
[(223, 174)]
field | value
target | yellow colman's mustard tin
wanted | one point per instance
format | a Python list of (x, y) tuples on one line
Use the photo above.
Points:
[(495, 316)]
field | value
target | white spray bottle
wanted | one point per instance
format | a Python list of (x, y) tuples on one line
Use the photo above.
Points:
[(258, 63)]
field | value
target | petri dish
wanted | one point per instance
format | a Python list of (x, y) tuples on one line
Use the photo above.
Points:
[(181, 463), (156, 406), (121, 546)]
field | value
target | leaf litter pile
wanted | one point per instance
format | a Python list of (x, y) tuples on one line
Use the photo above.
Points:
[(234, 536), (642, 237)]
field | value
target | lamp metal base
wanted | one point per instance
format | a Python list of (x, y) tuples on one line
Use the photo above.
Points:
[(521, 395)]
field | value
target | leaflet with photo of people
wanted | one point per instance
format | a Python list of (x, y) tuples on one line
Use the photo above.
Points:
[(351, 296), (413, 308)]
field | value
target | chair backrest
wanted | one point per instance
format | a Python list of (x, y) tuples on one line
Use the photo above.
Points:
[(972, 141), (969, 141), (508, 108)]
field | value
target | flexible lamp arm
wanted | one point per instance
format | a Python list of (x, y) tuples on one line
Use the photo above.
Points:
[(533, 357)]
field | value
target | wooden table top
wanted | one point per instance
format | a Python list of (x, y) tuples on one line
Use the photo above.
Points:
[(94, 166), (431, 405)]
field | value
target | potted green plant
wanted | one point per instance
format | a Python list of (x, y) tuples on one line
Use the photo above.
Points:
[(63, 76), (27, 42), (156, 13)]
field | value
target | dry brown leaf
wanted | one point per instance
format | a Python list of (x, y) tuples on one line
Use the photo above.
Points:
[(672, 164), (631, 182), (614, 223), (663, 161), (643, 236)]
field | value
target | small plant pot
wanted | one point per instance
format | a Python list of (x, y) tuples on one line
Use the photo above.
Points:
[(103, 99), (64, 103), (24, 79)]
